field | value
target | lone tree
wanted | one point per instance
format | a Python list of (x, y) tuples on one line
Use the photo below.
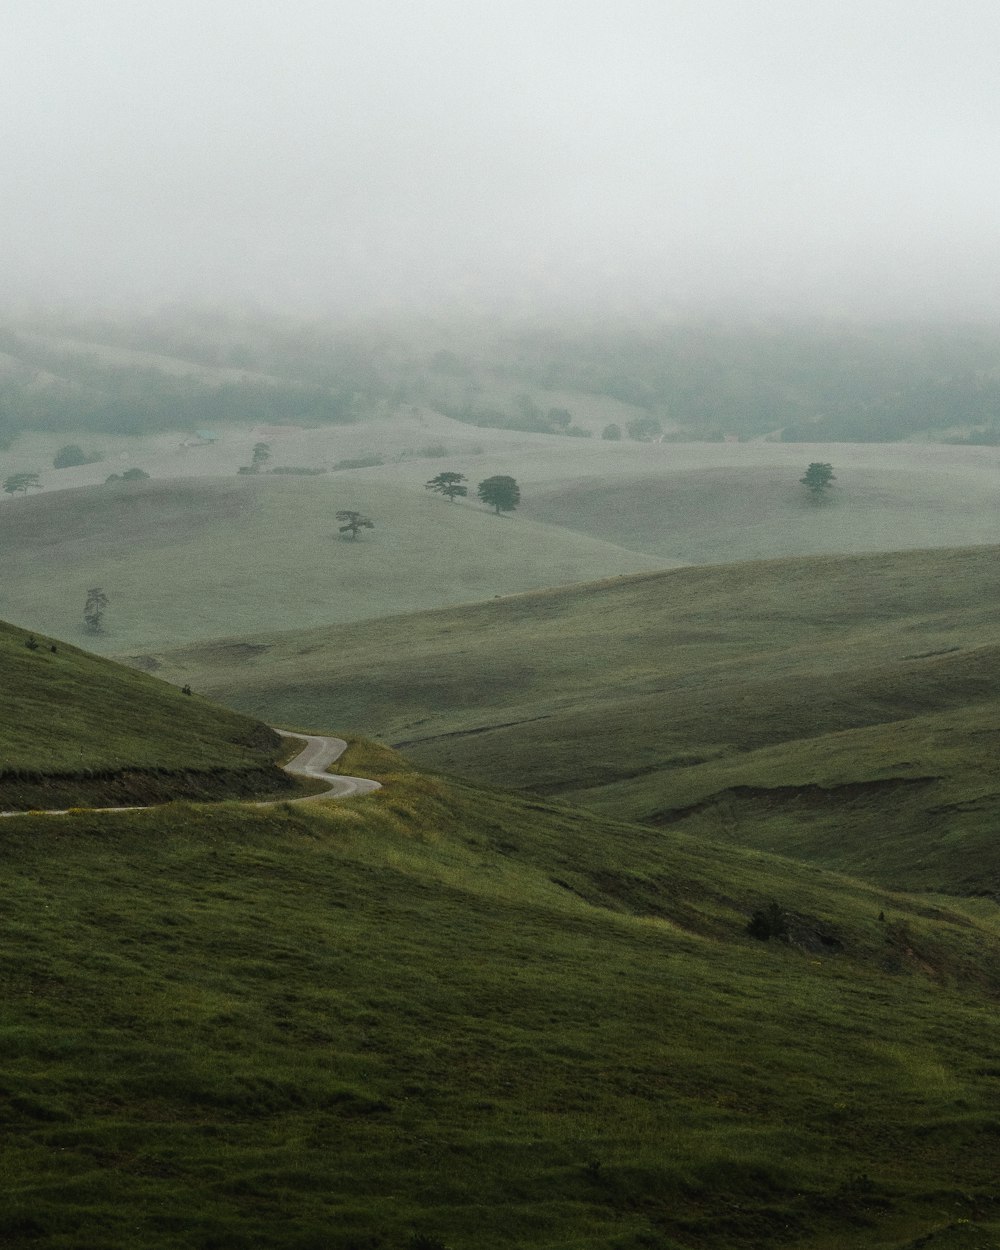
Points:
[(449, 485), (818, 477), (645, 429), (93, 609), (260, 455), (501, 492), (21, 483), (354, 521)]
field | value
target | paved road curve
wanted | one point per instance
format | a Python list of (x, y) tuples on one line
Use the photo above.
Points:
[(312, 761)]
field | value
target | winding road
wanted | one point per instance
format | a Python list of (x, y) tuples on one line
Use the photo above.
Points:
[(312, 762)]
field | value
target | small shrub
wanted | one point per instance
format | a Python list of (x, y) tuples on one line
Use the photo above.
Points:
[(434, 451), (645, 429), (135, 475), (71, 455), (768, 922), (360, 462)]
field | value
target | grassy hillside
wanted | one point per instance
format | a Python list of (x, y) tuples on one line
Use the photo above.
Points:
[(441, 1016), (78, 729), (758, 512), (194, 559), (645, 696)]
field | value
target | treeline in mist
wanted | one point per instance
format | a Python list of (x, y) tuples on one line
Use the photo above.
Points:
[(807, 382)]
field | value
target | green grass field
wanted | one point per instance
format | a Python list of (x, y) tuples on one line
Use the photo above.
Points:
[(192, 559), (78, 729), (446, 1013), (188, 556), (761, 512), (454, 1016), (647, 696)]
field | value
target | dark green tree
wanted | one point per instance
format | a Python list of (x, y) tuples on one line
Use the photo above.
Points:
[(260, 455), (21, 483), (612, 432), (93, 610), (769, 922), (353, 522), (502, 493), (449, 485), (818, 478), (645, 429), (69, 456)]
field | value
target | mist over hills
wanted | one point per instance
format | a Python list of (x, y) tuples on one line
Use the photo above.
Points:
[(801, 380), (678, 925), (449, 974)]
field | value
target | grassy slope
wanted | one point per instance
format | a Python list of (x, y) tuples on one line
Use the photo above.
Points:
[(197, 559), (757, 512), (488, 1020), (647, 695), (79, 729)]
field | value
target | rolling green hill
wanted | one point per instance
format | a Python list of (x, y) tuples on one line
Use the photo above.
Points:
[(759, 511), (78, 729), (195, 558), (446, 1016), (678, 696)]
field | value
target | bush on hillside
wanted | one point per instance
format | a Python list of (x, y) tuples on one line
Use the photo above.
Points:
[(71, 455), (768, 922), (360, 462)]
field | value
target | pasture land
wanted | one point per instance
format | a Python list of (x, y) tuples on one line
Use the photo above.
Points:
[(193, 557), (689, 695), (446, 1013), (190, 559)]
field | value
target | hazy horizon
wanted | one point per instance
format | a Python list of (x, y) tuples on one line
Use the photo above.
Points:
[(751, 158)]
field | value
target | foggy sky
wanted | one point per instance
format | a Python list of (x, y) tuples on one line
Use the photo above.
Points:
[(840, 156)]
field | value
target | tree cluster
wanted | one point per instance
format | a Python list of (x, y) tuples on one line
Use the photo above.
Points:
[(500, 492), (72, 454)]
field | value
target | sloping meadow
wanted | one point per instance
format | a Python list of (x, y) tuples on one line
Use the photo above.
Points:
[(78, 729), (442, 1015)]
